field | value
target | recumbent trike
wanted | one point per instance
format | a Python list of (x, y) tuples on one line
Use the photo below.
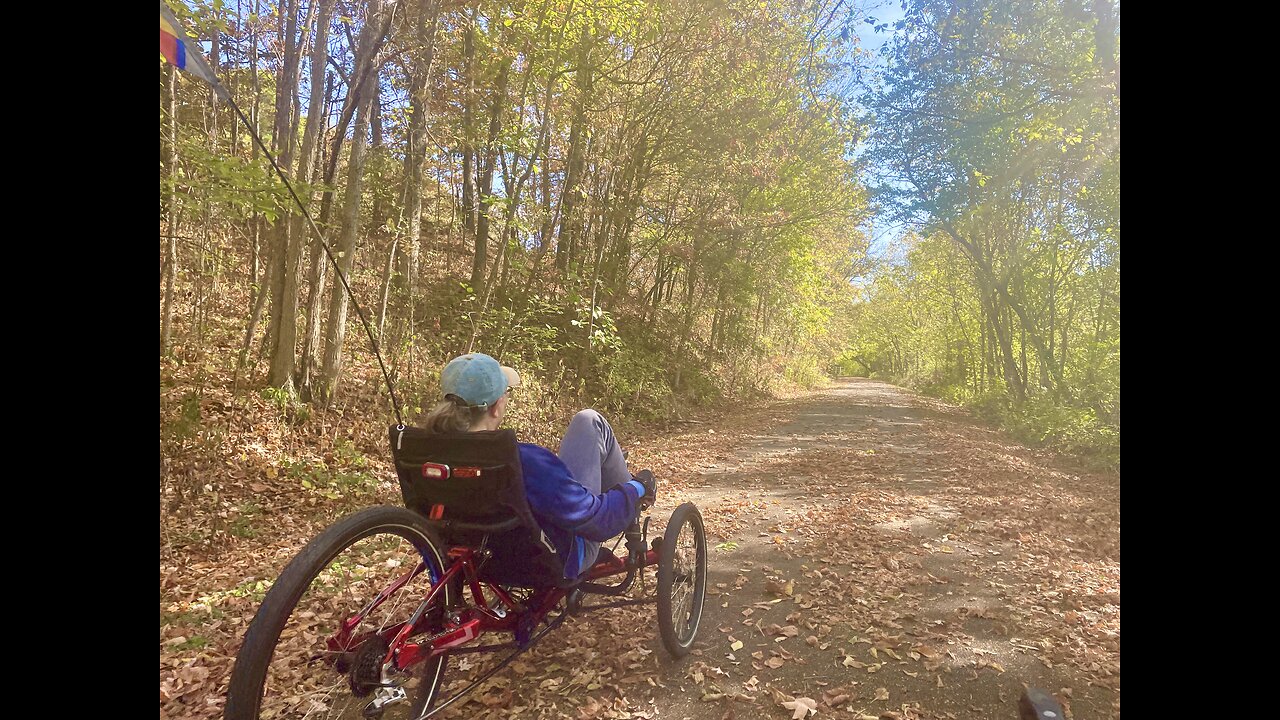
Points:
[(364, 621)]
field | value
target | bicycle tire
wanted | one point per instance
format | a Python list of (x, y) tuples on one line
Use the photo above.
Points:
[(678, 572), (385, 524)]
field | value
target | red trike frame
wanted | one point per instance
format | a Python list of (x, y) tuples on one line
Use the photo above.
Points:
[(478, 618)]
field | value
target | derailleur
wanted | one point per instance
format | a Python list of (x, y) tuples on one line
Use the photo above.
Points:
[(384, 697)]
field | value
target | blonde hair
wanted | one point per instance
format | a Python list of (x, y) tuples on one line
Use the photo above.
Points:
[(450, 417)]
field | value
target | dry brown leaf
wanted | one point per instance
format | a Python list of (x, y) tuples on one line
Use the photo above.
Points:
[(802, 707)]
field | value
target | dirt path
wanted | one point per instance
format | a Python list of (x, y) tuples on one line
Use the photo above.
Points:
[(884, 556), (877, 552)]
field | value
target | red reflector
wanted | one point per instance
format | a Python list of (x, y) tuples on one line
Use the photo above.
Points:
[(468, 472), (435, 471), (437, 512)]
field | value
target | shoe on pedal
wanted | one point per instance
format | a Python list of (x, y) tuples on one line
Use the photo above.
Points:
[(650, 483)]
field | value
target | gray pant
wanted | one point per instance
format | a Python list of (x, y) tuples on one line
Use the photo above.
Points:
[(592, 454)]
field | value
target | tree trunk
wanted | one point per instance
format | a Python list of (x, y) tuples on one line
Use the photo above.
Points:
[(388, 271), (570, 196), (171, 248), (986, 277), (358, 89), (468, 125), (338, 301), (309, 165), (416, 153), (1004, 345), (283, 328), (485, 185)]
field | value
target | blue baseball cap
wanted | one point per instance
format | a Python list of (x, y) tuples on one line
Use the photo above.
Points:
[(477, 379)]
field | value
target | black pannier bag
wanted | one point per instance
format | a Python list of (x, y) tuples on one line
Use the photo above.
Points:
[(469, 484)]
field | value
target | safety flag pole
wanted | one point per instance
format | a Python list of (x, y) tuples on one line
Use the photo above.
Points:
[(181, 52)]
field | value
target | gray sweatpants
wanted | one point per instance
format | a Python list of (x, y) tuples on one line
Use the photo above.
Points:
[(592, 454)]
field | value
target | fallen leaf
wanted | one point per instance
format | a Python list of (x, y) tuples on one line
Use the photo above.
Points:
[(802, 707)]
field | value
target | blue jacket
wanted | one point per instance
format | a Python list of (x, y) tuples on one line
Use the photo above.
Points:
[(568, 512)]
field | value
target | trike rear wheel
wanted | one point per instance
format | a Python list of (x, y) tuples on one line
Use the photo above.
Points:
[(296, 660), (682, 579)]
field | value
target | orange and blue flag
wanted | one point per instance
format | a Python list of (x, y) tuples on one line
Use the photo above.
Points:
[(181, 51), (171, 47)]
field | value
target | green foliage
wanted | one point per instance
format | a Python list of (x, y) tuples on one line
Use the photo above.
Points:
[(331, 479), (286, 402), (805, 372), (210, 604), (195, 642), (997, 129), (188, 423), (703, 247), (1077, 431), (244, 523)]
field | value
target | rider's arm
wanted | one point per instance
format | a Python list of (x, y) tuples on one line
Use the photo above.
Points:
[(553, 494)]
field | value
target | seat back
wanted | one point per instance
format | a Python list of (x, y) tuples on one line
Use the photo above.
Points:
[(469, 485)]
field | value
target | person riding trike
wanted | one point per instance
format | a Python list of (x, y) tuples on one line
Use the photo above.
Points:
[(495, 538)]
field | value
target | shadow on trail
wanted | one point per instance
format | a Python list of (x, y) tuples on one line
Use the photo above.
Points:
[(945, 564)]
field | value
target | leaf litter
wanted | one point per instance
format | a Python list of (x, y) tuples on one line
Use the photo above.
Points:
[(851, 583)]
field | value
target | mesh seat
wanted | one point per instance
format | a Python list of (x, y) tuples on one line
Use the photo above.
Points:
[(469, 485)]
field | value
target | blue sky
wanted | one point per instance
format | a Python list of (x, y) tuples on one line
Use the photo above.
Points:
[(883, 11), (879, 230)]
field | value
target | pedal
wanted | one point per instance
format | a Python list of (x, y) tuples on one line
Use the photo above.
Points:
[(525, 625), (656, 544)]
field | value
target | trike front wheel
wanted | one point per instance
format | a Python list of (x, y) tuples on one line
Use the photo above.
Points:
[(682, 579)]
